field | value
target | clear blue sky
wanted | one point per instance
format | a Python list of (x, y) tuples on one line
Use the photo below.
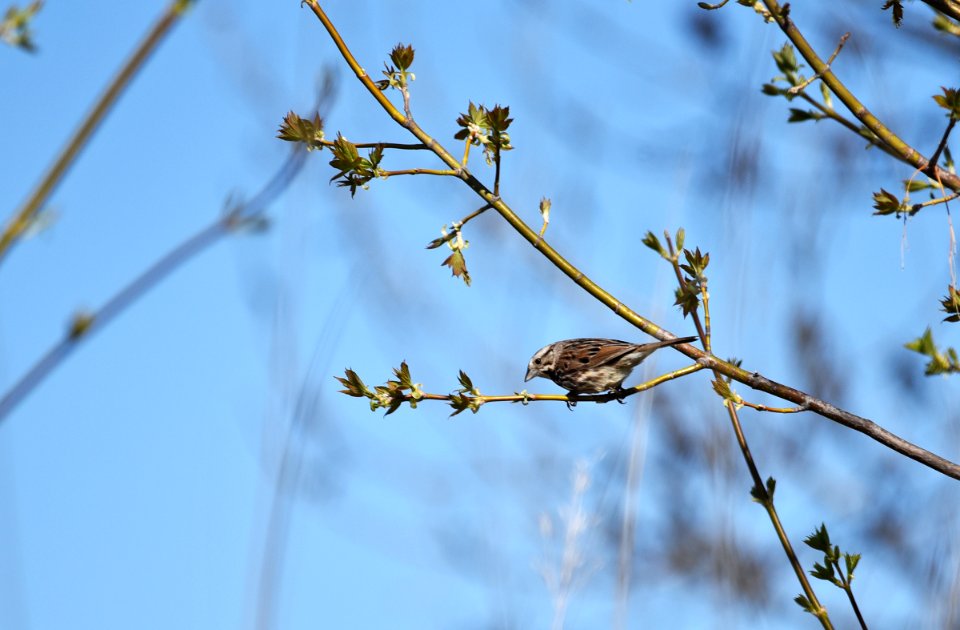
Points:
[(138, 483)]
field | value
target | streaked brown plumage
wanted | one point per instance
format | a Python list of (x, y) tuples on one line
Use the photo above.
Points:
[(591, 366)]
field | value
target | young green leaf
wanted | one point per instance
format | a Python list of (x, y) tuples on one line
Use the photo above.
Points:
[(458, 265)]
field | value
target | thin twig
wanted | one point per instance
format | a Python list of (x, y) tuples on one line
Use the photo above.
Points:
[(802, 86), (935, 158), (771, 409), (414, 146), (457, 227), (595, 398), (417, 171)]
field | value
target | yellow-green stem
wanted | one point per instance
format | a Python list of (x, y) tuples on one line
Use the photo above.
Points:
[(903, 150)]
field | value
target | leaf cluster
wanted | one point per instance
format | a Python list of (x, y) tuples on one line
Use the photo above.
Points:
[(885, 202), (398, 75), (688, 293), (388, 396), (841, 577), (306, 130), (486, 127), (789, 66), (950, 101), (830, 569), (650, 240), (940, 362), (15, 26), (354, 171), (466, 397), (455, 241)]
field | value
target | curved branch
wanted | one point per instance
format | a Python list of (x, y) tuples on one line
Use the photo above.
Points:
[(753, 380)]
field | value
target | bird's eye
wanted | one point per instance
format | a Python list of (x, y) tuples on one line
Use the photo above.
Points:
[(537, 361)]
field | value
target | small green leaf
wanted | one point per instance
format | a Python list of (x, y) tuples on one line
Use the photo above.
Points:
[(950, 305), (915, 185), (950, 101), (651, 241), (802, 115), (823, 572), (688, 298), (827, 96), (772, 90), (851, 560), (804, 603), (786, 60), (885, 202), (353, 385), (465, 381), (402, 57), (819, 539), (458, 266), (403, 375), (296, 129)]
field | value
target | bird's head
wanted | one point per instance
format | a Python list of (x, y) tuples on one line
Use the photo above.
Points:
[(542, 361)]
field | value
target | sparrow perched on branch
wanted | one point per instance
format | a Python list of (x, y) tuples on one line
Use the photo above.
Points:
[(592, 366)]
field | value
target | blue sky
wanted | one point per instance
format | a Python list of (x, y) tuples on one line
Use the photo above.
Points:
[(139, 482)]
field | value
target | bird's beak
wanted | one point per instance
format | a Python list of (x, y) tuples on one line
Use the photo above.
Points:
[(531, 373)]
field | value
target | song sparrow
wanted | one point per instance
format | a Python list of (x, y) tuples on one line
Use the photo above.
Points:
[(591, 366)]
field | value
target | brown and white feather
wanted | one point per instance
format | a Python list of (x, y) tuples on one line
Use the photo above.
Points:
[(591, 366)]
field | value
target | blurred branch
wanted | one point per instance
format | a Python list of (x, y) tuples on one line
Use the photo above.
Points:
[(241, 216), (947, 7), (25, 216), (903, 151)]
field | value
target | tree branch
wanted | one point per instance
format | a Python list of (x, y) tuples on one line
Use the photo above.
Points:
[(903, 151), (753, 380), (84, 324)]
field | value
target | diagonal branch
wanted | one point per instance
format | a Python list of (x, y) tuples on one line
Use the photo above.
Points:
[(949, 8), (903, 151), (83, 325), (754, 379), (28, 212)]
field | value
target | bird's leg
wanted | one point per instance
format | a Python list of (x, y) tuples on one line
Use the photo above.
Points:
[(619, 389), (571, 400)]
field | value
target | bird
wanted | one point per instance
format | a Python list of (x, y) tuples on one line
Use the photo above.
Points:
[(592, 366)]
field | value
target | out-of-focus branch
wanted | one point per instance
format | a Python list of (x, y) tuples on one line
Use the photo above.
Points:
[(947, 7), (25, 216), (245, 215)]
